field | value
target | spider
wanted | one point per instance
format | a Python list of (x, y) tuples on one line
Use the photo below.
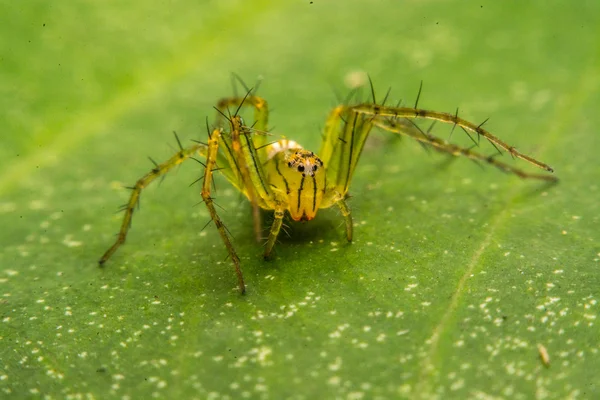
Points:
[(284, 177)]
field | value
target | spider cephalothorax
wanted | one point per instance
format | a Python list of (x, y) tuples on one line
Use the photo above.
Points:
[(283, 177), (297, 182)]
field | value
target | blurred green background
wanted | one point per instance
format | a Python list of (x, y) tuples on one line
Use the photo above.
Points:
[(456, 275)]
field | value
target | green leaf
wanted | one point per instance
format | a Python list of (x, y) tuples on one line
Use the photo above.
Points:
[(457, 275)]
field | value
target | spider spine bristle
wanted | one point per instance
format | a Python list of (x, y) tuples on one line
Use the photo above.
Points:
[(199, 142), (235, 77), (481, 124), (343, 141), (214, 185), (196, 181), (454, 126), (492, 156), (499, 152), (198, 161), (215, 203), (153, 162), (387, 94), (431, 127), (265, 145), (226, 229), (178, 141), (209, 220), (419, 95), (242, 103), (470, 137), (223, 114), (372, 89), (208, 130), (418, 128), (259, 80), (478, 129)]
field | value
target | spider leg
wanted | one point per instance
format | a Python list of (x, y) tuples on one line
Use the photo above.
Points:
[(379, 113), (274, 232), (211, 159), (347, 217), (342, 146), (344, 138), (258, 139), (330, 134), (158, 171), (443, 146)]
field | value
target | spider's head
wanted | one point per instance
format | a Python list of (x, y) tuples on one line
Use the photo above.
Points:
[(305, 179), (305, 162)]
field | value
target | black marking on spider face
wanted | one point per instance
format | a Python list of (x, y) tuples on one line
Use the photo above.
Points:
[(305, 162)]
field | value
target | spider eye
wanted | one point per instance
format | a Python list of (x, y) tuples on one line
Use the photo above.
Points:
[(290, 164), (300, 168), (315, 168)]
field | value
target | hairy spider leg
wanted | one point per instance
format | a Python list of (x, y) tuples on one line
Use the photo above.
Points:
[(347, 128), (443, 146), (211, 160), (261, 117), (380, 113), (234, 149), (238, 147), (344, 137), (136, 190), (274, 231)]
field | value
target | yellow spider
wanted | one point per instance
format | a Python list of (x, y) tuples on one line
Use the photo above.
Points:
[(282, 176)]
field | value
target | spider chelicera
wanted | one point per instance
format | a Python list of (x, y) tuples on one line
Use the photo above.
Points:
[(283, 177)]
